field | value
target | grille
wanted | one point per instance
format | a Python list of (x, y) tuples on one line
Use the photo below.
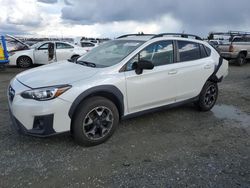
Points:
[(11, 93)]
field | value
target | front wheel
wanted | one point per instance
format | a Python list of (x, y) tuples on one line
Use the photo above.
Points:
[(75, 57), (24, 62), (95, 121), (208, 96)]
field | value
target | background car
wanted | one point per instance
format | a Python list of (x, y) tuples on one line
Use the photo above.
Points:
[(38, 53), (87, 45)]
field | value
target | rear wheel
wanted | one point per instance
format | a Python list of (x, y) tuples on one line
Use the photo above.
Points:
[(24, 62), (208, 96), (95, 121), (241, 59)]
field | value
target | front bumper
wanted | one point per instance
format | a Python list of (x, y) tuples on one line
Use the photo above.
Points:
[(37, 118), (42, 127)]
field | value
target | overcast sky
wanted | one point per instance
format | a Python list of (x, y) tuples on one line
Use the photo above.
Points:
[(111, 18)]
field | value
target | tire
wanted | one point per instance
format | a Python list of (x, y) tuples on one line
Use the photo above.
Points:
[(94, 121), (208, 96), (241, 60), (74, 57), (24, 62)]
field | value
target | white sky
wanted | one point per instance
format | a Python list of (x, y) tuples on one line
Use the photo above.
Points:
[(32, 18)]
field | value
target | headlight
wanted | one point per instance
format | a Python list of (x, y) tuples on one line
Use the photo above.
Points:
[(46, 93)]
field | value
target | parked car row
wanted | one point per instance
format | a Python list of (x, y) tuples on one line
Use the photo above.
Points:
[(126, 77)]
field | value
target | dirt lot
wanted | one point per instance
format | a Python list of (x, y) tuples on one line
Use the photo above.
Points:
[(179, 147)]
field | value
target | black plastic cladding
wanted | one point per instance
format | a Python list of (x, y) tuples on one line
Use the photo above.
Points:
[(92, 91)]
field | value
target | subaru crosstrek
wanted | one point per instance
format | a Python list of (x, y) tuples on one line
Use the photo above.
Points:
[(122, 78)]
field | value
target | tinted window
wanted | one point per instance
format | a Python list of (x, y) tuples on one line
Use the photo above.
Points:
[(60, 45), (87, 44), (208, 50), (188, 50), (243, 39), (213, 42), (44, 46), (203, 51), (159, 53)]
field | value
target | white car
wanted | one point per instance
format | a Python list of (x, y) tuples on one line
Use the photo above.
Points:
[(126, 77), (38, 53)]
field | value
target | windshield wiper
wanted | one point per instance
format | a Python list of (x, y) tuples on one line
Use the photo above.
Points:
[(89, 64)]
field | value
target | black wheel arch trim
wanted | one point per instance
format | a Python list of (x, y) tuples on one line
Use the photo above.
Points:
[(213, 77), (95, 91)]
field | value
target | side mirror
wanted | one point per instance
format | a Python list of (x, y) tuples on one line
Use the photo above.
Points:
[(141, 65)]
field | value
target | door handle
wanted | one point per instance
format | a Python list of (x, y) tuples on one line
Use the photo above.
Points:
[(172, 72), (208, 66)]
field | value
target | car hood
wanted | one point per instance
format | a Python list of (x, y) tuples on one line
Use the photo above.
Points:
[(63, 72)]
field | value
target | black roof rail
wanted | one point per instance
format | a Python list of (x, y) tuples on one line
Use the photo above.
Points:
[(138, 34), (183, 35)]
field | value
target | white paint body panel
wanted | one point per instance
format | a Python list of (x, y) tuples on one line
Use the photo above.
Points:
[(41, 56), (160, 86)]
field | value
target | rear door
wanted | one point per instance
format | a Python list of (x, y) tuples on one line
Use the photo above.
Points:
[(41, 54), (195, 67), (63, 51)]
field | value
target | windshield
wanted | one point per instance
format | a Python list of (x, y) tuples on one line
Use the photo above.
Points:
[(110, 53), (14, 45), (36, 45)]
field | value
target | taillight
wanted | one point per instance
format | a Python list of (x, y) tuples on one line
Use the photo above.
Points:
[(231, 48)]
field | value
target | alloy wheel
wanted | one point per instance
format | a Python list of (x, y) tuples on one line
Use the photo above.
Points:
[(210, 95), (98, 123)]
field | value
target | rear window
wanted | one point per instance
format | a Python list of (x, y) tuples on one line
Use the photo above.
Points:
[(188, 51), (241, 39), (208, 50), (203, 51)]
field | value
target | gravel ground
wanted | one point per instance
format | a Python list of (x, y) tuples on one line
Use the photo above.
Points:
[(180, 147)]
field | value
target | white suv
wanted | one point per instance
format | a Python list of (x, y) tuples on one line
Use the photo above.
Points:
[(122, 78)]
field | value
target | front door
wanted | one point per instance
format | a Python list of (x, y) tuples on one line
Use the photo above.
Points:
[(156, 87)]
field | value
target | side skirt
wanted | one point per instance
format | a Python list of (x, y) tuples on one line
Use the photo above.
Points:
[(136, 114)]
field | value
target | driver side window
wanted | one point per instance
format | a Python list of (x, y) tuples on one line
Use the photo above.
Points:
[(159, 53), (44, 46)]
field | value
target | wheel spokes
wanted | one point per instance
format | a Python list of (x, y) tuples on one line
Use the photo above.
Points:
[(88, 121), (97, 123), (210, 95), (99, 111)]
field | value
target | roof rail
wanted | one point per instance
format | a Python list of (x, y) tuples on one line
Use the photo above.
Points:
[(183, 35), (138, 34)]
